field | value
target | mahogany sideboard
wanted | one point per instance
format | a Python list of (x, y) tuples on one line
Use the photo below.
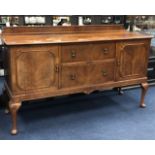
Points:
[(43, 62)]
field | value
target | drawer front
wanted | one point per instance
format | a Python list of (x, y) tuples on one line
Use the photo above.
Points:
[(73, 75), (87, 52), (101, 72), (102, 51), (74, 53)]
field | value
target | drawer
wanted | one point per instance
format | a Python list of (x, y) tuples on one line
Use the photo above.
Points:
[(90, 51), (73, 75), (102, 51), (82, 73), (101, 72), (74, 53)]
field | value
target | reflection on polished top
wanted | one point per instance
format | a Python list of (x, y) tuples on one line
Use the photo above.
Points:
[(39, 35)]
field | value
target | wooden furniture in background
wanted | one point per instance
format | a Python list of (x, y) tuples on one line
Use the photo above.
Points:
[(51, 61)]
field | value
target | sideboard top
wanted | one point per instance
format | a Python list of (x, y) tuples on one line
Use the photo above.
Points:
[(67, 34)]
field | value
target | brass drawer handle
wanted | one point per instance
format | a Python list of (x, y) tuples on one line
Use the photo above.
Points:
[(72, 76), (73, 54), (105, 50), (104, 73), (56, 68), (118, 63)]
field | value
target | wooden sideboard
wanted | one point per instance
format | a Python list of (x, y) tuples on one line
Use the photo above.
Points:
[(43, 62)]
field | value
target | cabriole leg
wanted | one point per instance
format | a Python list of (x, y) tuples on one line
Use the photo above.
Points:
[(144, 87), (120, 91), (14, 107)]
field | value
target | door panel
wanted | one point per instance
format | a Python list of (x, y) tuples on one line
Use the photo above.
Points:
[(132, 59), (35, 68)]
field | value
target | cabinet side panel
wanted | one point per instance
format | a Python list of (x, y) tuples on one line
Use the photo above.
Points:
[(7, 66)]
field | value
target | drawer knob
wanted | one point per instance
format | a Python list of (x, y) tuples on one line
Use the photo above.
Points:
[(73, 54), (104, 73), (105, 50), (72, 77)]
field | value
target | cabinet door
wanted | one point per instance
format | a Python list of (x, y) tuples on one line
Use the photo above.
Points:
[(35, 67), (132, 58)]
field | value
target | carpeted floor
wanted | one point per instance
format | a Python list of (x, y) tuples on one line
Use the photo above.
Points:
[(103, 115)]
